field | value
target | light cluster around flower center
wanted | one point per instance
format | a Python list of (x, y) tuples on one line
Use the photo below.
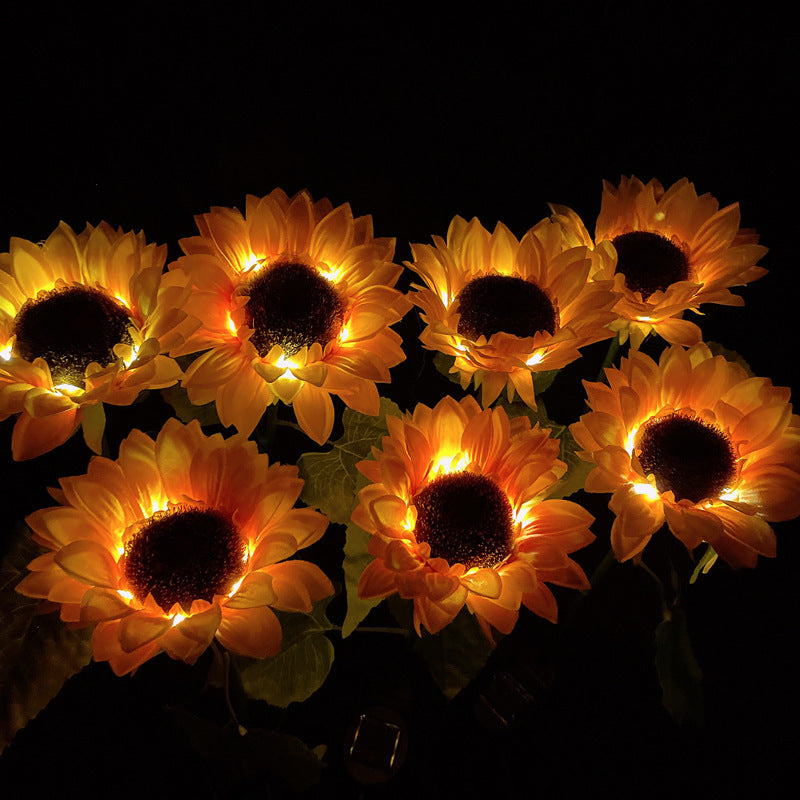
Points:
[(689, 457), (650, 262), (184, 554), (290, 304), (70, 328), (494, 303), (465, 518)]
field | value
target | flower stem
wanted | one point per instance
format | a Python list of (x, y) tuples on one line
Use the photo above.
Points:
[(611, 354)]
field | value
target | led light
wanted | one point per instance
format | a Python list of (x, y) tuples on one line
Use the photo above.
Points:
[(124, 594), (253, 263), (177, 619), (631, 441), (235, 587), (231, 325), (536, 358), (331, 275), (5, 353), (134, 355), (455, 462), (645, 319), (344, 334), (649, 491)]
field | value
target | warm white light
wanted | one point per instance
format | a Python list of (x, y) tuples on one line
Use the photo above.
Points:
[(535, 358), (344, 334), (332, 274), (455, 462), (121, 300), (5, 353), (235, 587), (445, 297), (177, 619), (648, 490), (659, 216), (645, 319), (67, 387), (231, 325), (134, 355), (631, 442), (287, 364), (126, 595), (253, 263)]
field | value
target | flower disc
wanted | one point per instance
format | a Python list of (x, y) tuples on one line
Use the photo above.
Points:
[(691, 458), (494, 303), (70, 328), (293, 306), (466, 519), (183, 555), (650, 262)]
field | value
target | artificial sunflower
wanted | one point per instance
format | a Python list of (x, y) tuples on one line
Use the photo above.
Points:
[(458, 516), (296, 299), (695, 442), (178, 541), (83, 321), (667, 252), (505, 309)]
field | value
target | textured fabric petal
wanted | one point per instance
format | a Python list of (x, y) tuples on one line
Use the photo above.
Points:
[(252, 632)]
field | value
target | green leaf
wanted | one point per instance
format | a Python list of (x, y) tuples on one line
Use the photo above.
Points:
[(177, 397), (705, 563), (730, 355), (38, 652), (542, 381), (456, 655), (242, 759), (442, 363), (355, 562), (330, 478), (678, 671), (574, 479), (301, 666)]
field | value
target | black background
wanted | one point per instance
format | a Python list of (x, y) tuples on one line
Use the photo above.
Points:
[(147, 115)]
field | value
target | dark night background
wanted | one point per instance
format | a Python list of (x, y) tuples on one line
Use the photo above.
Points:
[(147, 116)]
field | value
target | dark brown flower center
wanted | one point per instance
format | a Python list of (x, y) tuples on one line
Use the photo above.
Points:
[(184, 554), (292, 305), (466, 519), (691, 458), (71, 328), (495, 303), (649, 262)]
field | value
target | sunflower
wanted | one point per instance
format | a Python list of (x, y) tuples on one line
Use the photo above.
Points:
[(694, 442), (457, 516), (296, 299), (83, 322), (176, 542), (667, 252), (506, 309)]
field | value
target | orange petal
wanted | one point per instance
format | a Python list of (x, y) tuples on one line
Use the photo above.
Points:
[(255, 590), (376, 581), (298, 584), (313, 408), (90, 563), (34, 436), (253, 632), (139, 629)]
